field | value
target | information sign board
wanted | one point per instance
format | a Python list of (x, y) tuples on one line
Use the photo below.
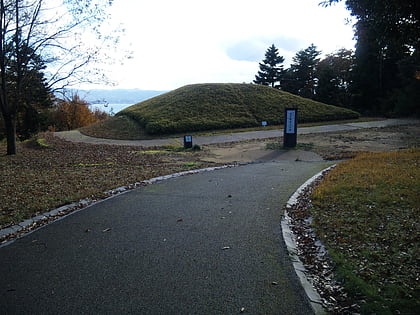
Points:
[(290, 121), (290, 127), (188, 142)]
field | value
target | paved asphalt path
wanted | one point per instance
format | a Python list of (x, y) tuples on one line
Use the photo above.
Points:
[(208, 243)]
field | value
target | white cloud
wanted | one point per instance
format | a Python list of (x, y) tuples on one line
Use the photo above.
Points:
[(191, 41)]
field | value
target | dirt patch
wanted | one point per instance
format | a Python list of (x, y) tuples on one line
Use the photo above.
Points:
[(317, 146), (256, 151)]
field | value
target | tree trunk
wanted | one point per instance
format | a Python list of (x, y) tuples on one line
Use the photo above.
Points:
[(10, 125)]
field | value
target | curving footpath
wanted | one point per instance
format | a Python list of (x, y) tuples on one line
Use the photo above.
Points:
[(209, 243), (76, 136)]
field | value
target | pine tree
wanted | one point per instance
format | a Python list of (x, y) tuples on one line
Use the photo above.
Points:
[(300, 77), (32, 96), (270, 72), (334, 74)]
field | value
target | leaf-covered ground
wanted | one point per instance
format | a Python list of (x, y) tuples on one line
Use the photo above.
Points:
[(367, 210), (49, 172), (367, 213)]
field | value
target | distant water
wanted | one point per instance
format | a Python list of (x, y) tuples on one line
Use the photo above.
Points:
[(109, 108)]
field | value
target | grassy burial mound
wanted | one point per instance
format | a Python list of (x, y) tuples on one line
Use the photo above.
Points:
[(202, 107), (223, 106)]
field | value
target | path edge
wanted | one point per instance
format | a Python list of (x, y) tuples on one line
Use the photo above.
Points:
[(9, 234), (291, 244)]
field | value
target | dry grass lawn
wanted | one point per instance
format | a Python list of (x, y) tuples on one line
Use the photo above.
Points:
[(367, 212), (49, 172)]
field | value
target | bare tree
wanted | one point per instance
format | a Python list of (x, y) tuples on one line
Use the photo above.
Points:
[(67, 34)]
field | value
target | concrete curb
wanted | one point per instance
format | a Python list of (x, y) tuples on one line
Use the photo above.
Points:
[(9, 234), (290, 240)]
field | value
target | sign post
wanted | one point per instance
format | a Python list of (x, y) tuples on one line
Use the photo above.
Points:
[(290, 127), (188, 142)]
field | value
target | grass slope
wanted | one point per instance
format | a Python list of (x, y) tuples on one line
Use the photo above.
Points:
[(223, 106)]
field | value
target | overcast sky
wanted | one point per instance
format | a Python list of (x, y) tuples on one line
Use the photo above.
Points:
[(181, 42)]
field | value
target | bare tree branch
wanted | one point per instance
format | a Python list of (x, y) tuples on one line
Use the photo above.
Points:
[(30, 32)]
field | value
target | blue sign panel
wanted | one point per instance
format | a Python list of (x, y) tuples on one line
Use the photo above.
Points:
[(290, 121)]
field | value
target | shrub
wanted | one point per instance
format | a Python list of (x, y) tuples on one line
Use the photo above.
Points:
[(73, 114)]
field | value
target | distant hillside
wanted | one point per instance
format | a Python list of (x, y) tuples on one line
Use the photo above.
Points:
[(223, 106), (117, 96)]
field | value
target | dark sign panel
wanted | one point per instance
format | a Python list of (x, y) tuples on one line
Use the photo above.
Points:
[(188, 142), (290, 127)]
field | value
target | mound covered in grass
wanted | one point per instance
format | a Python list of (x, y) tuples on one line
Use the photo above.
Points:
[(223, 106), (119, 127)]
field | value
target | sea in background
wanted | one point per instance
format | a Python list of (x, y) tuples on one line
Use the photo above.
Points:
[(114, 100), (110, 109)]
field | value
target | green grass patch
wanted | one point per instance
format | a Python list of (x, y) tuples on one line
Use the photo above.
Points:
[(42, 143), (367, 211), (189, 164), (36, 143)]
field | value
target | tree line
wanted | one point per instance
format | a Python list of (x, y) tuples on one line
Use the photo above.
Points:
[(327, 80), (380, 77)]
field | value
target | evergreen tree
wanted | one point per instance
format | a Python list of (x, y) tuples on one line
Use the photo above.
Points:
[(33, 95), (300, 78), (334, 78), (384, 74), (34, 28), (387, 56), (271, 70)]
